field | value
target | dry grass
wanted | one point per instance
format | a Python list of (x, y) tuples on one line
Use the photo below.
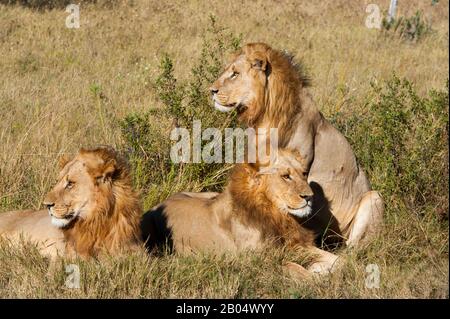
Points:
[(65, 88)]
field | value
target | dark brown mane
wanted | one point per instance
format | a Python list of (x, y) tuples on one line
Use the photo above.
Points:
[(299, 68)]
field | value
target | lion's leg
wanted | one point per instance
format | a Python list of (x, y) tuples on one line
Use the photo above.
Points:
[(368, 218), (324, 262)]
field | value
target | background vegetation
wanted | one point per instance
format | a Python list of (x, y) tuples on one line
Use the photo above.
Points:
[(136, 69)]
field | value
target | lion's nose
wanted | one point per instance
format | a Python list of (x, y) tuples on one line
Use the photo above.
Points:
[(213, 90), (308, 198)]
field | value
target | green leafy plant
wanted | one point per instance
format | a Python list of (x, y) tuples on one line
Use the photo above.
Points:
[(401, 140), (148, 146)]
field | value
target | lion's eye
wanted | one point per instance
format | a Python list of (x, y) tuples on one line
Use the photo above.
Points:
[(70, 184), (234, 75), (286, 177)]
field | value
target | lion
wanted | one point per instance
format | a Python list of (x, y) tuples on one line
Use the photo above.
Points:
[(260, 205), (91, 209), (269, 90)]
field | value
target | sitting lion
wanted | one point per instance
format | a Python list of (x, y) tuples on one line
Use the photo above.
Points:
[(92, 208), (260, 205), (268, 90)]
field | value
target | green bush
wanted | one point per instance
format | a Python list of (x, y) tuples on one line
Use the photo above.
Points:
[(401, 140), (148, 145), (191, 100)]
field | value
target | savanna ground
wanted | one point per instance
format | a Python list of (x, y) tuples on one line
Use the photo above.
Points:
[(134, 67)]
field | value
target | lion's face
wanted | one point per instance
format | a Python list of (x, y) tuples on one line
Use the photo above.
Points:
[(241, 85), (81, 185), (286, 184)]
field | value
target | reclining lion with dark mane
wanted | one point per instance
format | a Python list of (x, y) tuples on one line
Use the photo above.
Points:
[(259, 206), (91, 209), (268, 90)]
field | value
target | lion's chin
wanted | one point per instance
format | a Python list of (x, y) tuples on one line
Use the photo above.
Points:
[(300, 212), (63, 222), (223, 108)]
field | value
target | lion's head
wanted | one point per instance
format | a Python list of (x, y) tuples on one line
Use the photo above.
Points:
[(83, 183), (281, 184), (259, 81), (93, 200)]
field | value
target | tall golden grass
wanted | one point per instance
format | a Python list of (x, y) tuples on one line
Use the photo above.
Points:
[(62, 88)]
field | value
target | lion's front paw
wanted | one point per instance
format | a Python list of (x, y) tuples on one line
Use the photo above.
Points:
[(297, 272)]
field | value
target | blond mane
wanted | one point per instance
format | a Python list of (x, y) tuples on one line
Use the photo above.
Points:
[(114, 225), (281, 101)]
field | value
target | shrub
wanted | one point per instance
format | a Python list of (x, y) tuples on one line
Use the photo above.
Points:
[(148, 146), (401, 140)]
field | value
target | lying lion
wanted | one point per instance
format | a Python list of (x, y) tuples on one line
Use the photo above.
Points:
[(260, 205), (268, 90), (91, 209)]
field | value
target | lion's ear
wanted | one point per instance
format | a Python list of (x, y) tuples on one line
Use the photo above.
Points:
[(107, 171), (258, 61), (252, 167), (63, 160), (259, 64)]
